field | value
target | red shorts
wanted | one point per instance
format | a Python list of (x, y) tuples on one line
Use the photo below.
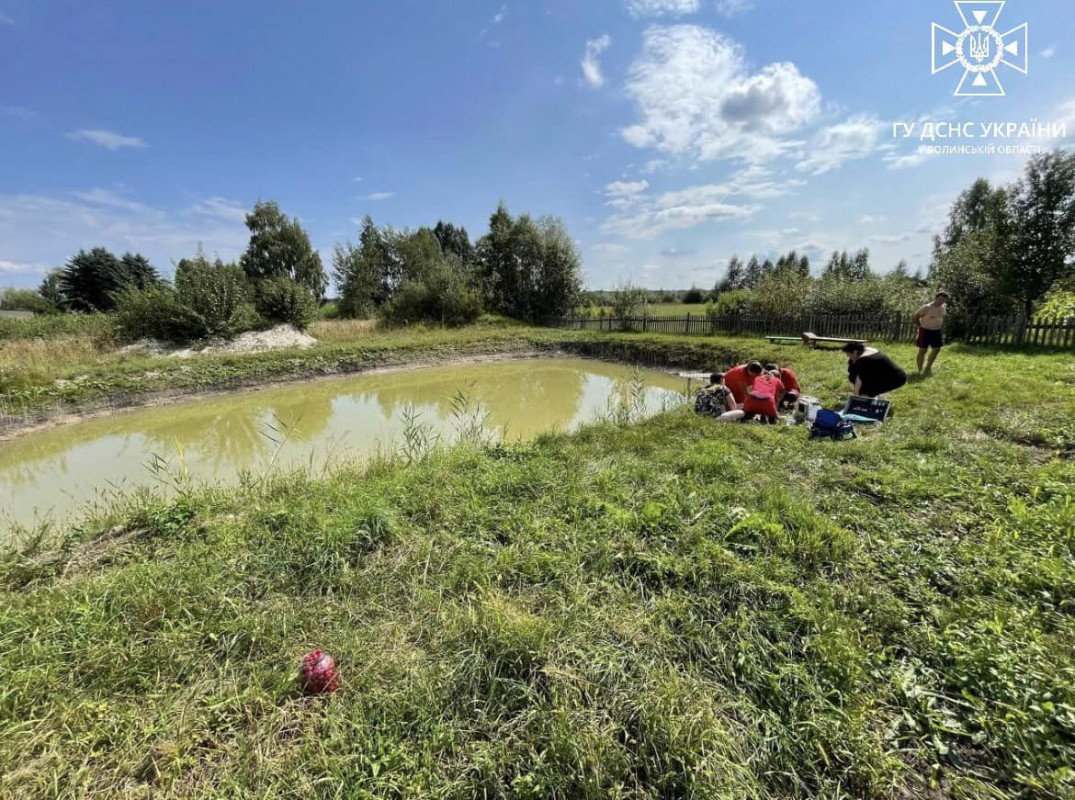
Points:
[(760, 406)]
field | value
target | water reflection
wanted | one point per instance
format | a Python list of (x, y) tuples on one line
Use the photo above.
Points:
[(56, 471)]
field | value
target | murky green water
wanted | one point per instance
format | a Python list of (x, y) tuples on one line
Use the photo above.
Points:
[(55, 473)]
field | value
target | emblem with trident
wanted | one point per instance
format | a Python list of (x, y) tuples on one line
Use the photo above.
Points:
[(980, 49)]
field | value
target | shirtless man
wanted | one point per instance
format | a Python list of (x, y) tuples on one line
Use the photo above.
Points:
[(930, 322)]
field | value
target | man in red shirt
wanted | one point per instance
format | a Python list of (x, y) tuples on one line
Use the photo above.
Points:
[(791, 385), (740, 379)]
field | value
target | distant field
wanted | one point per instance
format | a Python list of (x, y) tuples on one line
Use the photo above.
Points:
[(670, 309)]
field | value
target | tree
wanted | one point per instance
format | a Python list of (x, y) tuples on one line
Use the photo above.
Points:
[(694, 296), (528, 269), (804, 266), (91, 281), (498, 262), (51, 289), (219, 293), (138, 271), (454, 240), (902, 270), (417, 254), (978, 209), (369, 274), (279, 247), (733, 277), (1042, 211), (628, 301), (558, 282), (860, 266), (753, 276)]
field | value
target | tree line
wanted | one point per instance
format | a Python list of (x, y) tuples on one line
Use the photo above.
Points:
[(1006, 249), (523, 267)]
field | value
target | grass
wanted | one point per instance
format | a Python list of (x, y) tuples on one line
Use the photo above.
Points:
[(667, 609)]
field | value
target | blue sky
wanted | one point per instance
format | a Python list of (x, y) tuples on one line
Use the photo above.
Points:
[(668, 134)]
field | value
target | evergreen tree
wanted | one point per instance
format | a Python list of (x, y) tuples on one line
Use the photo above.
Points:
[(91, 281), (138, 271), (753, 276), (733, 277)]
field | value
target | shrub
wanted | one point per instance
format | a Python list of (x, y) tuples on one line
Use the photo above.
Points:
[(157, 313), (448, 303), (219, 293), (25, 300), (329, 310), (694, 297), (281, 300)]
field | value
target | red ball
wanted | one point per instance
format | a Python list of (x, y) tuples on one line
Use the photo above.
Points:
[(318, 673)]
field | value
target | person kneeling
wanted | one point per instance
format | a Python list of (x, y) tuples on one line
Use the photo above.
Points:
[(762, 401)]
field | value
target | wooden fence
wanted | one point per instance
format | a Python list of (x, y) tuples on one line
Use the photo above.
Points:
[(880, 328)]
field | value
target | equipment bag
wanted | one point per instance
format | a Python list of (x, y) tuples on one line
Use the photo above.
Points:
[(830, 425)]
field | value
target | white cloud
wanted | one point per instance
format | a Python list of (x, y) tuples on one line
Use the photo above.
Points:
[(730, 8), (653, 166), (18, 112), (218, 207), (674, 252), (639, 216), (837, 144), (378, 196), (897, 161), (871, 219), (13, 268), (663, 8), (609, 249), (107, 139), (358, 179), (1049, 51), (45, 229), (591, 65), (622, 195), (696, 97), (106, 197), (895, 239), (496, 20)]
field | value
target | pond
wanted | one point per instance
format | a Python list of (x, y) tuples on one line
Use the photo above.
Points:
[(55, 473)]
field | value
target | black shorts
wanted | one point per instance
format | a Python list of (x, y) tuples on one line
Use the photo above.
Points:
[(933, 339), (883, 387)]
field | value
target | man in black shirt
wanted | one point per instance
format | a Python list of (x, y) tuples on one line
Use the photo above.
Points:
[(871, 372)]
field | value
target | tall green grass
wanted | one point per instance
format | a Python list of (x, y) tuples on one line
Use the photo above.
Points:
[(662, 609)]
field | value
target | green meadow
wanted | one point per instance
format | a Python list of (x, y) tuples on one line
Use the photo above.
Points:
[(666, 608)]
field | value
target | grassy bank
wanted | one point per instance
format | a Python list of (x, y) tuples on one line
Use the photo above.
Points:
[(674, 609)]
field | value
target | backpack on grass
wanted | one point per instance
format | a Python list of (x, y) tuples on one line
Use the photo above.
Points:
[(831, 425)]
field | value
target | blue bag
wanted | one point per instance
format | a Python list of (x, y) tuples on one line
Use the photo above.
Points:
[(831, 425)]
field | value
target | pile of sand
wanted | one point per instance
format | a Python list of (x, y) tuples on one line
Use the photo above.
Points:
[(282, 337)]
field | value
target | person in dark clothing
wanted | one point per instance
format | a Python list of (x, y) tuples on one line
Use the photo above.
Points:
[(871, 372)]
